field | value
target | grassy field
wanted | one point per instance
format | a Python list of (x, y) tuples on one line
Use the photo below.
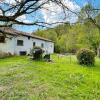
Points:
[(62, 79)]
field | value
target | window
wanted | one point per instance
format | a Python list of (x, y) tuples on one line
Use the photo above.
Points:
[(34, 44), (2, 39), (42, 45), (22, 52), (19, 42)]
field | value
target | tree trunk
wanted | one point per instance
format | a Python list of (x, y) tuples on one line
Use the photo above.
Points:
[(98, 52)]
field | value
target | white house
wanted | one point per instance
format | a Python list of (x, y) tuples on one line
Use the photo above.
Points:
[(17, 42)]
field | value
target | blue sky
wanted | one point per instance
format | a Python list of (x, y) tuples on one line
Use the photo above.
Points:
[(42, 16), (83, 2)]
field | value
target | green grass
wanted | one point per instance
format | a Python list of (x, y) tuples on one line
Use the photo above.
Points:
[(62, 79)]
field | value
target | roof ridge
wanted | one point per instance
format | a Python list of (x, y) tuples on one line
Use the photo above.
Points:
[(12, 31)]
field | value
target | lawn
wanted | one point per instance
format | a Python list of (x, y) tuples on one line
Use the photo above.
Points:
[(61, 79)]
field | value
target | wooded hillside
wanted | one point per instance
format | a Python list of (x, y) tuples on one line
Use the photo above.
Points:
[(70, 37)]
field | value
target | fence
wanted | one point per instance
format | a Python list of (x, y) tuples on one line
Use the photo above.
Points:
[(64, 58)]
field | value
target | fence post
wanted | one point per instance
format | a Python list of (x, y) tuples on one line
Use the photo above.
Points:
[(70, 58)]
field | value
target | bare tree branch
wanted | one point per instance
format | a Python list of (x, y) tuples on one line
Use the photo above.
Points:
[(12, 11)]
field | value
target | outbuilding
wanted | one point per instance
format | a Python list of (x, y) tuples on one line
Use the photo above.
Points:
[(18, 42)]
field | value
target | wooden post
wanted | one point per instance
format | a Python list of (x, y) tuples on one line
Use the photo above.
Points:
[(70, 59)]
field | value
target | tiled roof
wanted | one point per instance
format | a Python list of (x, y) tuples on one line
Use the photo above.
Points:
[(11, 31)]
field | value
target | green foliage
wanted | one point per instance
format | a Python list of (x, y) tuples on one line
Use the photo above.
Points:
[(86, 57), (37, 53), (98, 19), (70, 38), (47, 57), (62, 36)]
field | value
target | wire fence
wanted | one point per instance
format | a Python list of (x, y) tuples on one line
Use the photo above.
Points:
[(65, 58)]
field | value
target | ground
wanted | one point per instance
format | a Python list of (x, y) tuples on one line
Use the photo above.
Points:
[(61, 79)]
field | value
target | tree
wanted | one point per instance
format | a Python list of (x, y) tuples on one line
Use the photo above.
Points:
[(89, 13), (63, 35), (14, 9)]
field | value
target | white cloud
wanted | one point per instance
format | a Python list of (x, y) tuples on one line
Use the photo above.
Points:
[(54, 13), (12, 2), (0, 12), (23, 18)]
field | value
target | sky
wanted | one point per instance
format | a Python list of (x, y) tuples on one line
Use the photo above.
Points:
[(51, 16)]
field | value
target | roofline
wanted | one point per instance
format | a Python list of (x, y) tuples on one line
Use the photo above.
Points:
[(32, 36), (37, 37)]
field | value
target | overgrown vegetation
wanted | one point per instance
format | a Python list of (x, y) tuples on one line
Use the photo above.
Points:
[(71, 37), (25, 79)]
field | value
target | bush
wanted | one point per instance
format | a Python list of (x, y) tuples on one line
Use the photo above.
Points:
[(37, 53), (86, 57), (47, 57)]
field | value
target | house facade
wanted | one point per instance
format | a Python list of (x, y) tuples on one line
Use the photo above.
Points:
[(17, 42)]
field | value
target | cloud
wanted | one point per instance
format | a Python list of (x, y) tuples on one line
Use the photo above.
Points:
[(0, 12), (53, 13), (23, 18), (12, 2)]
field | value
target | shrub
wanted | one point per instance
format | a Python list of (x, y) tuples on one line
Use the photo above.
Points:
[(37, 53), (47, 57), (86, 57)]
